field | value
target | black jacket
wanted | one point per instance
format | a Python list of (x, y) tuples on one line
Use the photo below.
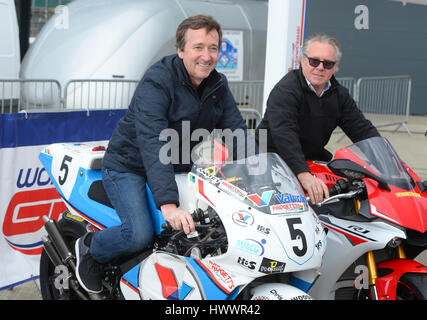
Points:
[(164, 98), (299, 124)]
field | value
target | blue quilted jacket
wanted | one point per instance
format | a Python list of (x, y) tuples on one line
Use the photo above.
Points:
[(164, 98)]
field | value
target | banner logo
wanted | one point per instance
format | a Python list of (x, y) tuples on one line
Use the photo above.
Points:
[(23, 218)]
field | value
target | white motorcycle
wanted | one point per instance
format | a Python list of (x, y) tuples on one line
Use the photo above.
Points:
[(256, 236)]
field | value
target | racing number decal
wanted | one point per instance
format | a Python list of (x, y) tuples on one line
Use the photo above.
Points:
[(65, 169), (297, 234)]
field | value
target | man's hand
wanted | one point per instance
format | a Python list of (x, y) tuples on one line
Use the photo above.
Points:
[(177, 218), (315, 187)]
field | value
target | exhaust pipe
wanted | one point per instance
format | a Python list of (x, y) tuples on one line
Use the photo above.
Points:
[(51, 251), (58, 243), (58, 251)]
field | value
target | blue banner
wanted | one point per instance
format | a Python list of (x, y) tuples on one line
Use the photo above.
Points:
[(17, 130)]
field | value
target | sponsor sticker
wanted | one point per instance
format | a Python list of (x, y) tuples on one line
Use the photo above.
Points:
[(220, 275), (232, 189), (286, 208), (269, 266), (243, 218), (408, 194), (251, 246)]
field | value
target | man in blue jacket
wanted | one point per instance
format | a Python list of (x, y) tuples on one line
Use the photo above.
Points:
[(184, 87)]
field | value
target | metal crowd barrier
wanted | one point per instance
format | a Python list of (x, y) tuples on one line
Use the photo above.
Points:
[(248, 94), (350, 83), (17, 95), (251, 116), (99, 93), (385, 101)]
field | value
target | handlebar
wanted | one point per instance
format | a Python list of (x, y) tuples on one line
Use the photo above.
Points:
[(197, 215), (339, 187), (340, 190)]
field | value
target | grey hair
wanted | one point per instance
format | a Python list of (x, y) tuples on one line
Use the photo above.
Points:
[(323, 38)]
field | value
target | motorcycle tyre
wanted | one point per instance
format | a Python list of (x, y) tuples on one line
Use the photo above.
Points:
[(411, 286), (72, 230)]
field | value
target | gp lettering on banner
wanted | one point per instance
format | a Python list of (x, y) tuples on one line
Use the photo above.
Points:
[(24, 216)]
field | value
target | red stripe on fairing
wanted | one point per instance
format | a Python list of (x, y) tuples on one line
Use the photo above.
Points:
[(101, 227), (129, 286), (354, 239), (202, 190)]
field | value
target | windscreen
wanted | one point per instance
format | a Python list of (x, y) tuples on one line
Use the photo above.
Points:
[(262, 181), (381, 157)]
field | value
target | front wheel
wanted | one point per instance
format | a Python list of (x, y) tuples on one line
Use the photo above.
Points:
[(53, 281), (412, 286)]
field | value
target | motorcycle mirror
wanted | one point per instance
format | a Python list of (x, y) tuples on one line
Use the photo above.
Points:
[(352, 171)]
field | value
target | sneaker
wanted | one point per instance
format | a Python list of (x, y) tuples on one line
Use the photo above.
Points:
[(88, 271)]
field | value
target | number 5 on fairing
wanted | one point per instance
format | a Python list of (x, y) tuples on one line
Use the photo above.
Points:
[(297, 234), (64, 167)]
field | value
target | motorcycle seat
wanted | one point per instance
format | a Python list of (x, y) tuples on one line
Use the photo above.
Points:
[(97, 193)]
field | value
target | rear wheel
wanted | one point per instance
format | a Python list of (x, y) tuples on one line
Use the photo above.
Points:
[(52, 285)]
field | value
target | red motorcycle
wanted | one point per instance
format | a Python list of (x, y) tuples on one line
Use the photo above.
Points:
[(376, 218)]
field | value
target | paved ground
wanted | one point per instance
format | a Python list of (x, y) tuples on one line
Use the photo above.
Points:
[(411, 148)]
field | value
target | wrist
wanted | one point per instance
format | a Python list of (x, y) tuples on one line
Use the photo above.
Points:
[(167, 207)]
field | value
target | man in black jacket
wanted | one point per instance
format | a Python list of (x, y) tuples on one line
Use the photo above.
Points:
[(303, 109), (181, 89)]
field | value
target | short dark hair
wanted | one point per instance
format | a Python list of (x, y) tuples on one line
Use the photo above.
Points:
[(196, 22)]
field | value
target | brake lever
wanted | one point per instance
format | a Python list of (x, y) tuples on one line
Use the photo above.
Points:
[(347, 195)]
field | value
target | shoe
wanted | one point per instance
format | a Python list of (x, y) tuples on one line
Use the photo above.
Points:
[(88, 271)]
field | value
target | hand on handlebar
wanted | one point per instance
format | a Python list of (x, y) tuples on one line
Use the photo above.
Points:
[(178, 218), (316, 188)]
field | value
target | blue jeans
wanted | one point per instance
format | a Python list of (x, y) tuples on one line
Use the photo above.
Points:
[(127, 194)]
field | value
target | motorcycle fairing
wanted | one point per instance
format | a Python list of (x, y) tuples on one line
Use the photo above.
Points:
[(320, 169), (78, 201), (278, 225), (284, 245), (342, 249), (354, 239), (184, 278), (389, 205), (129, 284), (72, 169)]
